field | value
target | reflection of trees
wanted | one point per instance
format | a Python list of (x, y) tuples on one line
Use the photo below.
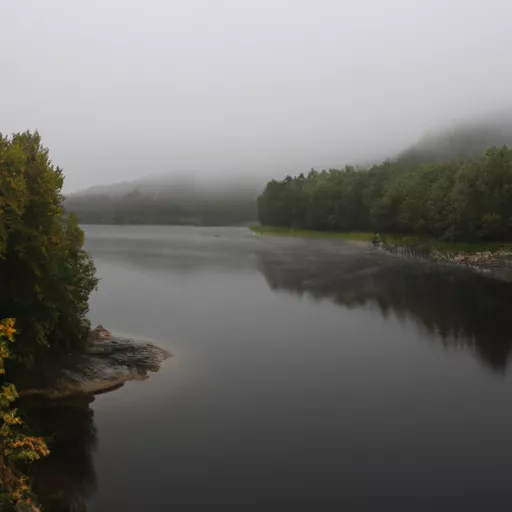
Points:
[(64, 481), (460, 306)]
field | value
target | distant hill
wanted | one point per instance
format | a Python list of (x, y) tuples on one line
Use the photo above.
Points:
[(177, 199)]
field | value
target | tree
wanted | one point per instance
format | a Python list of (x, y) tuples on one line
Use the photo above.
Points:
[(456, 199), (46, 275), (17, 447)]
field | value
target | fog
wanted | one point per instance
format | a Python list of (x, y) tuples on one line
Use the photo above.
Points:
[(122, 89)]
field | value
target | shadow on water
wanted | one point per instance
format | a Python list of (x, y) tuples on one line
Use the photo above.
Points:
[(460, 307), (66, 479)]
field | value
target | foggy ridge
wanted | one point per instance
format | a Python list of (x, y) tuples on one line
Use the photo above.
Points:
[(192, 198), (462, 139)]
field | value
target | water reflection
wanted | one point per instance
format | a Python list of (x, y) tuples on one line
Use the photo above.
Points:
[(176, 249), (456, 306), (65, 480), (460, 307)]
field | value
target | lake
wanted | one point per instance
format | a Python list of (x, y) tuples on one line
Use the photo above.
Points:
[(306, 375)]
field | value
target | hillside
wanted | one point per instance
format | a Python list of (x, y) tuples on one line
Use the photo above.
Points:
[(463, 194), (182, 199), (464, 139), (167, 200)]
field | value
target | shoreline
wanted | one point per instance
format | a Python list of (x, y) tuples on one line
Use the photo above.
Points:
[(493, 258), (392, 239), (106, 363)]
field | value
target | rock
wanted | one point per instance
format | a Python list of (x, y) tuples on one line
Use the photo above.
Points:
[(497, 264), (106, 363)]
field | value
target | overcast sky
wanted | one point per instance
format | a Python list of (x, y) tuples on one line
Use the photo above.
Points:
[(121, 89)]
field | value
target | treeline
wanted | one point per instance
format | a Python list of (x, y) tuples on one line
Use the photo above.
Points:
[(458, 199), (232, 207)]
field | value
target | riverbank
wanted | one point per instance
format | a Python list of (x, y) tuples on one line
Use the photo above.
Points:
[(304, 233), (400, 240), (491, 257)]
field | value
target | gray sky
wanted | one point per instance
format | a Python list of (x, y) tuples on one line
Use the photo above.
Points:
[(121, 89)]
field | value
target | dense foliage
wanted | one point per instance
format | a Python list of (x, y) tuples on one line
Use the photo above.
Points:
[(46, 277), (17, 447), (458, 199)]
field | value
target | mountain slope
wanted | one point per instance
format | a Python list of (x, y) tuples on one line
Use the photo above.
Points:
[(167, 200), (464, 139)]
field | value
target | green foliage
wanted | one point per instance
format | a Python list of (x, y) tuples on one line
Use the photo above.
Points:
[(454, 200), (363, 236), (412, 241), (46, 275)]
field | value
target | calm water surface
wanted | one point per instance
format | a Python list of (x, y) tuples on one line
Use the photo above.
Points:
[(307, 375)]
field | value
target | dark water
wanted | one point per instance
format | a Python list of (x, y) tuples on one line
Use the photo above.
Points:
[(307, 375)]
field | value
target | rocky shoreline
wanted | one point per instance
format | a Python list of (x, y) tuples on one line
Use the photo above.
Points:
[(497, 263), (106, 363)]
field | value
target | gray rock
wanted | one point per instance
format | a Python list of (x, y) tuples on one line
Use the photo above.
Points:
[(497, 264), (106, 363)]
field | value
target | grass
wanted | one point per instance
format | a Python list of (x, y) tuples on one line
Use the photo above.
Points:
[(306, 233), (406, 240)]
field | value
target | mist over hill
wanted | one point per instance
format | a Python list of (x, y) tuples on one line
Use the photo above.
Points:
[(455, 185), (173, 199), (466, 138), (192, 198)]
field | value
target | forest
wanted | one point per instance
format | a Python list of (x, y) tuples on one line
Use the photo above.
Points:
[(459, 199)]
